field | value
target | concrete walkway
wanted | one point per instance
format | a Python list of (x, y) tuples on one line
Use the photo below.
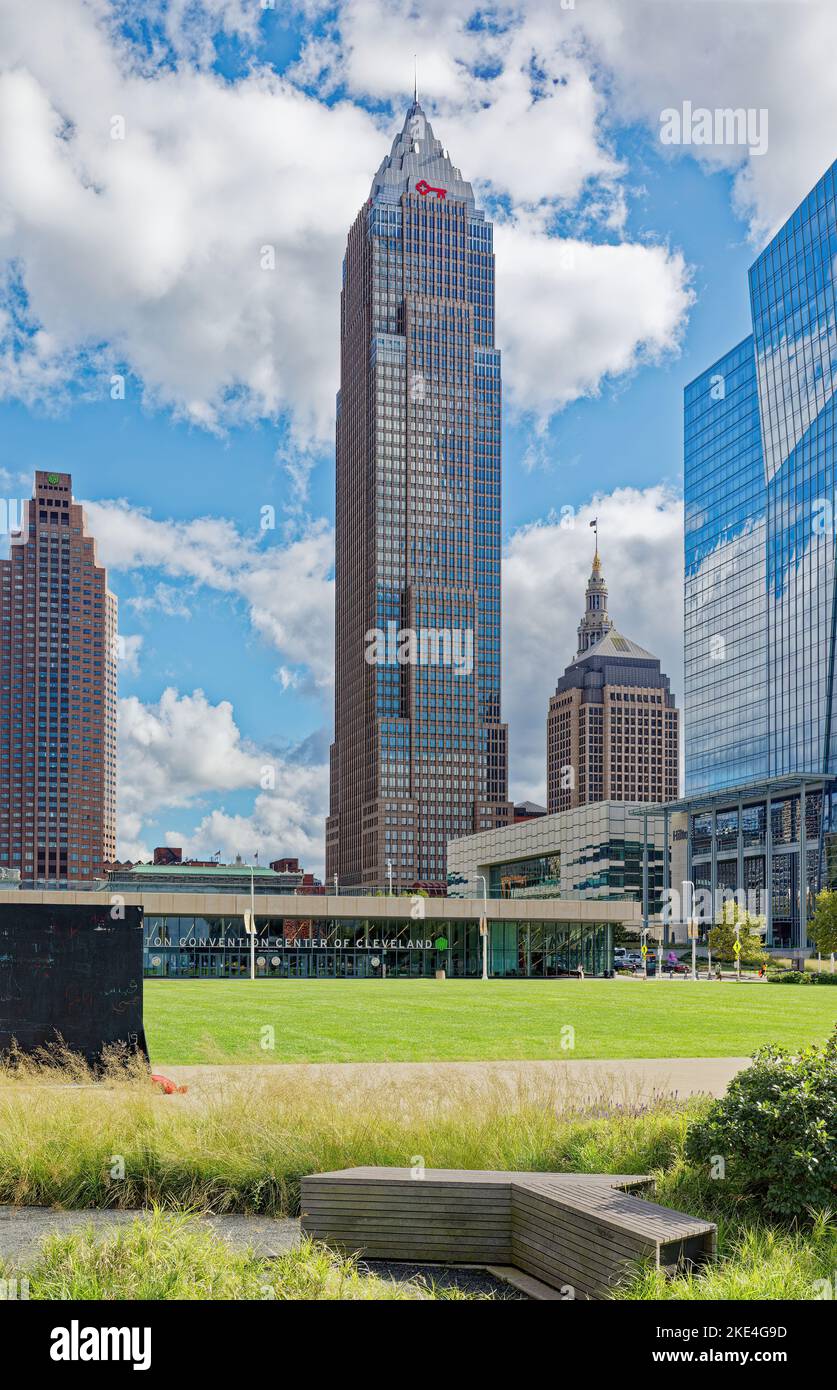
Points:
[(23, 1228), (582, 1080)]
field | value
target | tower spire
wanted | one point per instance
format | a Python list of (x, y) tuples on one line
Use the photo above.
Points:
[(596, 622), (415, 79)]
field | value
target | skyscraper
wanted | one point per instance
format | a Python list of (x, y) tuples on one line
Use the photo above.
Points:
[(420, 752), (612, 729), (760, 611), (57, 694)]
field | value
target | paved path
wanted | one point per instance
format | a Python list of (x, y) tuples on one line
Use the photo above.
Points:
[(622, 1078), (23, 1228)]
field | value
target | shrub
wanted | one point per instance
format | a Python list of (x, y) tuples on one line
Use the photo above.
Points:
[(808, 977), (776, 1129)]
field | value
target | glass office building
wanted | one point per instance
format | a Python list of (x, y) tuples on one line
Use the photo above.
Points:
[(760, 613), (420, 749), (597, 851)]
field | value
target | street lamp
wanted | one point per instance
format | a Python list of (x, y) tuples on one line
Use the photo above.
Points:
[(484, 926), (252, 923), (691, 921)]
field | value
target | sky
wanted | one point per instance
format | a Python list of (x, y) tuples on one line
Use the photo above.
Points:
[(176, 185)]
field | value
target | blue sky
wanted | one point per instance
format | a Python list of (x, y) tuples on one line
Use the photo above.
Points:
[(140, 259)]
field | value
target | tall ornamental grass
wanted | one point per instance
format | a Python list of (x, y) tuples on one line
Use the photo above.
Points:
[(243, 1145)]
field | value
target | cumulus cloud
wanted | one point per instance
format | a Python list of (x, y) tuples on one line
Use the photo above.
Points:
[(159, 220), (290, 820), (545, 570), (729, 56), (182, 750), (287, 588), (572, 313), (158, 242)]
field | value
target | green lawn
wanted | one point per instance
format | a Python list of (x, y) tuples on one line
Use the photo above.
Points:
[(190, 1021)]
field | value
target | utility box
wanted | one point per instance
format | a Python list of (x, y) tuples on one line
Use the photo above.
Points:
[(71, 974)]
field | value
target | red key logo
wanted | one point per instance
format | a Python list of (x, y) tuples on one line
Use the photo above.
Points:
[(423, 187)]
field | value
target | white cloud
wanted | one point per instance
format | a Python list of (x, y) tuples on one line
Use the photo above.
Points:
[(153, 243), (165, 599), (545, 571), (288, 821), (734, 55), (145, 252), (287, 587), (571, 312), (182, 750)]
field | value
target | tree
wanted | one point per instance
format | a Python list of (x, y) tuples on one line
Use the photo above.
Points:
[(822, 927), (723, 935)]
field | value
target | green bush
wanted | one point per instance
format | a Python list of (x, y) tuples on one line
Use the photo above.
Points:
[(799, 977), (776, 1130)]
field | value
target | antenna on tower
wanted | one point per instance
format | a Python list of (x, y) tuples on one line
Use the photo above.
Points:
[(415, 78)]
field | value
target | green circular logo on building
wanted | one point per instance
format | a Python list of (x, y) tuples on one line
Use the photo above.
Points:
[(53, 479), (441, 943)]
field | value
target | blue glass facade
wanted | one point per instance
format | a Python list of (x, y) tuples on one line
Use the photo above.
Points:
[(760, 613), (725, 619), (759, 463)]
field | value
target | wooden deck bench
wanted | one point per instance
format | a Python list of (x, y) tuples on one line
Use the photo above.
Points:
[(578, 1232)]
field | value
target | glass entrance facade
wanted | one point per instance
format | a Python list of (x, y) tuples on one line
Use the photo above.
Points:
[(178, 947)]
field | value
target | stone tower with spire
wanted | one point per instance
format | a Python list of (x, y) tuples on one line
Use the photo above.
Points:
[(595, 624), (420, 750), (612, 730)]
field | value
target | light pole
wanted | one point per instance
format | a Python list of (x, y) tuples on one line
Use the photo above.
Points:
[(484, 926), (252, 923), (691, 921), (645, 925)]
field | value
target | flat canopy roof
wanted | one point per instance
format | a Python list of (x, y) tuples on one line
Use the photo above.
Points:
[(747, 791), (322, 905)]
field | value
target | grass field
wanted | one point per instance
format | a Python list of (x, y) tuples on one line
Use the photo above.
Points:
[(206, 1021)]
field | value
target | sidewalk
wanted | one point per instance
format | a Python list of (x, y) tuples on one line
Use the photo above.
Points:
[(681, 1076), (23, 1228)]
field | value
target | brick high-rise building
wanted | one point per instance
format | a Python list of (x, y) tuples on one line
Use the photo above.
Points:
[(612, 730), (420, 752), (57, 694)]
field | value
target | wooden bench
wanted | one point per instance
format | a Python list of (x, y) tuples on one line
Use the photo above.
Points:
[(578, 1232)]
